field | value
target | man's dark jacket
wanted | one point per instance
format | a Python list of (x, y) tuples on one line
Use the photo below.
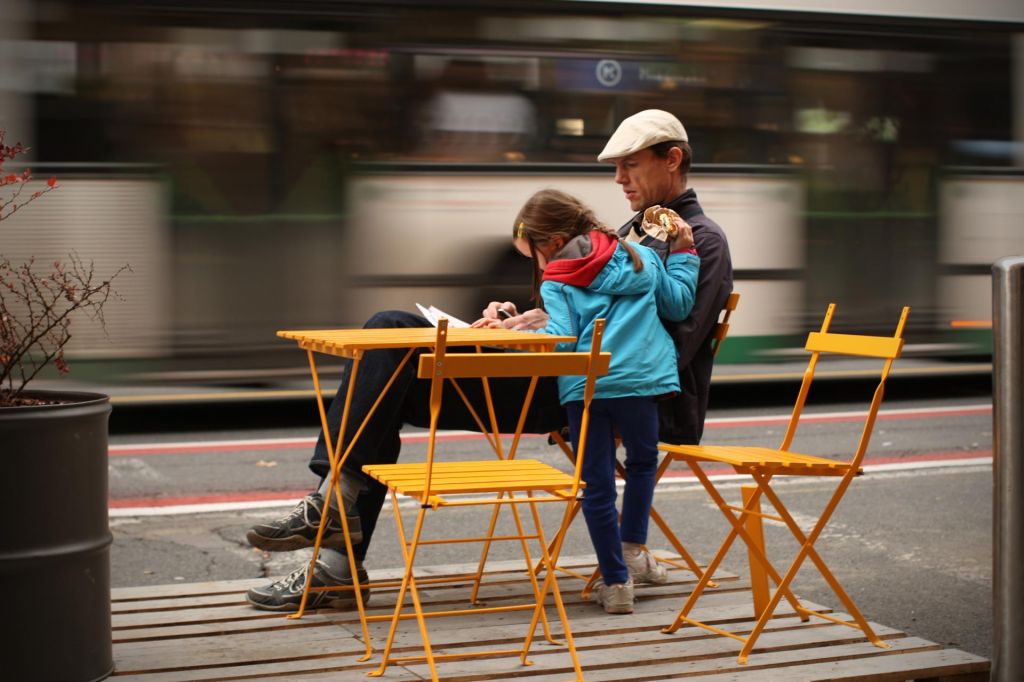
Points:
[(682, 417)]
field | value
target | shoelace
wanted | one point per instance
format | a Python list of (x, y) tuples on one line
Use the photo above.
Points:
[(306, 504), (295, 579), (299, 510)]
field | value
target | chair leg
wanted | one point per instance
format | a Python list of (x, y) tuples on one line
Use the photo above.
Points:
[(484, 552), (807, 550), (738, 529), (529, 563), (549, 560), (551, 548), (408, 584)]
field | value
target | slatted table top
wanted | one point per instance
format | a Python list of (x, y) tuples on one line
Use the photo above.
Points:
[(345, 341), (206, 631)]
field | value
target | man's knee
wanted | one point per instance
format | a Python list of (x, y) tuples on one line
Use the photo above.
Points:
[(390, 319)]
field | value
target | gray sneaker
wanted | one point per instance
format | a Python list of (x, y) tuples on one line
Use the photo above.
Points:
[(617, 598), (643, 568), (286, 593), (297, 529)]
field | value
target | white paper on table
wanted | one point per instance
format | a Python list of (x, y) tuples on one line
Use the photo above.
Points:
[(434, 314)]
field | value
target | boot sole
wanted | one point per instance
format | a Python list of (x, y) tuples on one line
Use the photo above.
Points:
[(294, 542)]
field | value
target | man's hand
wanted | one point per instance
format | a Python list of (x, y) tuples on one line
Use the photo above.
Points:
[(531, 319)]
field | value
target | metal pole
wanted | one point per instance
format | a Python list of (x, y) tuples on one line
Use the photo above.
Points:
[(1008, 470)]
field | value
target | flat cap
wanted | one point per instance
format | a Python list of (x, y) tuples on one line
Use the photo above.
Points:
[(640, 131)]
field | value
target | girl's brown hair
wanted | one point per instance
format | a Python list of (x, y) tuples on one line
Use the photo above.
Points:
[(551, 213)]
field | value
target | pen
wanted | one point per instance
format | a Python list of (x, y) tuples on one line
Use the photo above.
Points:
[(504, 313)]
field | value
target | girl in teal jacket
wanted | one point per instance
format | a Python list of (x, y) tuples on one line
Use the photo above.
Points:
[(583, 272)]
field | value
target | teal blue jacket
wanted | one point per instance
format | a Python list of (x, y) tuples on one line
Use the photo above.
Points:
[(643, 359)]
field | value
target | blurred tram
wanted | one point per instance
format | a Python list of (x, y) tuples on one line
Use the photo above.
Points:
[(304, 163)]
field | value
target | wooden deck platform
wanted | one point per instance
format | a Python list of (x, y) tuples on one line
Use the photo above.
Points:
[(206, 631)]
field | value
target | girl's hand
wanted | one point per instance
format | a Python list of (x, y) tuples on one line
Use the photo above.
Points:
[(683, 240), (487, 323)]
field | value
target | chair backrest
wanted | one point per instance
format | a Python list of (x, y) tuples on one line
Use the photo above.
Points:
[(722, 328), (442, 365), (886, 348)]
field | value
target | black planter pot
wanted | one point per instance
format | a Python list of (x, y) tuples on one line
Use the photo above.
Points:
[(55, 543)]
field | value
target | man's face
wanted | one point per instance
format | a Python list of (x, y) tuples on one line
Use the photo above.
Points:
[(647, 179)]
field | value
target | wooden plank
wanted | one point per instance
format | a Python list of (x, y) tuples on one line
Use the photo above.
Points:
[(183, 632), (241, 618), (227, 586), (136, 599), (896, 666), (334, 667), (501, 587), (206, 652), (150, 592), (724, 666), (586, 620), (629, 656)]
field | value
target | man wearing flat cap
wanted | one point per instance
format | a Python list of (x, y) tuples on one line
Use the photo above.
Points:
[(652, 157)]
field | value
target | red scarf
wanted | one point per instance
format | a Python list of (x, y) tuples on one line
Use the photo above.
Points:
[(582, 271)]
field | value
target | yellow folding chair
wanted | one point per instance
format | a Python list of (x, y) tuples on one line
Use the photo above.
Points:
[(503, 482), (763, 464), (689, 564)]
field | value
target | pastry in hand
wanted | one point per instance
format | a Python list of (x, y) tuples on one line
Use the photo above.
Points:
[(658, 223)]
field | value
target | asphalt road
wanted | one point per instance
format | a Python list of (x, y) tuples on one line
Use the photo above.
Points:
[(911, 541)]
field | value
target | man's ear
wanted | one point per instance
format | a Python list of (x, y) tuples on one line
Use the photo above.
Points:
[(674, 159)]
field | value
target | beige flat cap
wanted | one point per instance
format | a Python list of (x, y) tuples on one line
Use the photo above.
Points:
[(642, 130)]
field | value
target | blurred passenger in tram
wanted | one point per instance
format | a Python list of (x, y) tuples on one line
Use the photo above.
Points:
[(652, 157), (470, 118)]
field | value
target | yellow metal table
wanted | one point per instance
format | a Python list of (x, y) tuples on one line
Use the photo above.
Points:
[(353, 344)]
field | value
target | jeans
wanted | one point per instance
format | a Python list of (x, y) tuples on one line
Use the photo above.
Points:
[(636, 420), (407, 402)]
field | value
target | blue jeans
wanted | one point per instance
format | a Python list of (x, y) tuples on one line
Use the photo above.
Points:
[(407, 402), (636, 420)]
